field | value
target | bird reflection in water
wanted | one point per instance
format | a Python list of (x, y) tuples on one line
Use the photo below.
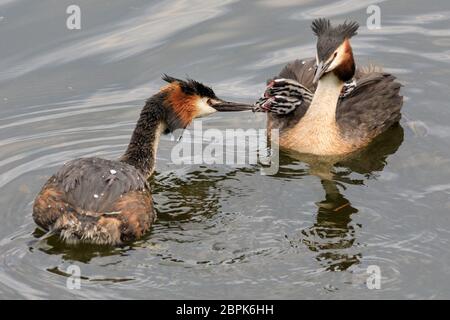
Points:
[(333, 235)]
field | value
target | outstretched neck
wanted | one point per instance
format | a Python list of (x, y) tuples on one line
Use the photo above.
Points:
[(325, 100), (141, 151)]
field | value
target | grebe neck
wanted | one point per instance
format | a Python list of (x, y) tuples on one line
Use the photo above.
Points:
[(325, 100), (141, 151)]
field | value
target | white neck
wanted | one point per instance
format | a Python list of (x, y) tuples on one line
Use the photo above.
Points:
[(160, 129), (317, 131), (324, 102)]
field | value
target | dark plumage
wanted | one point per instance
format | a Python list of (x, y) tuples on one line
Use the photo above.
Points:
[(140, 152), (109, 201), (96, 200), (371, 108), (329, 38), (192, 87), (94, 183), (322, 27)]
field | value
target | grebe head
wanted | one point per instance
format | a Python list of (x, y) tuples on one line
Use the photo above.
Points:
[(190, 99), (334, 53)]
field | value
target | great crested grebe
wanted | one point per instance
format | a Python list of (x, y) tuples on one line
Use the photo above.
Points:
[(102, 201), (325, 106)]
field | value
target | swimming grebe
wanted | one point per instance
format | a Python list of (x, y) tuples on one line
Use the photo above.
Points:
[(325, 106), (102, 201)]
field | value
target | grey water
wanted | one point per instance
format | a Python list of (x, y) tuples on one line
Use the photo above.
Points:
[(224, 231)]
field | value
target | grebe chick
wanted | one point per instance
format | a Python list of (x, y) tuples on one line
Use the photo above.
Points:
[(103, 201), (325, 106)]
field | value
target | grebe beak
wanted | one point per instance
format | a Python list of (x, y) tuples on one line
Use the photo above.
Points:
[(321, 68), (221, 105)]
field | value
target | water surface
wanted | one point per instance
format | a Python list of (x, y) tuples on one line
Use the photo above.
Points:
[(224, 232)]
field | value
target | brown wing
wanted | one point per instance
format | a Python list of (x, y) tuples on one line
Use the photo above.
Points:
[(95, 184), (302, 71), (97, 201), (371, 108)]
